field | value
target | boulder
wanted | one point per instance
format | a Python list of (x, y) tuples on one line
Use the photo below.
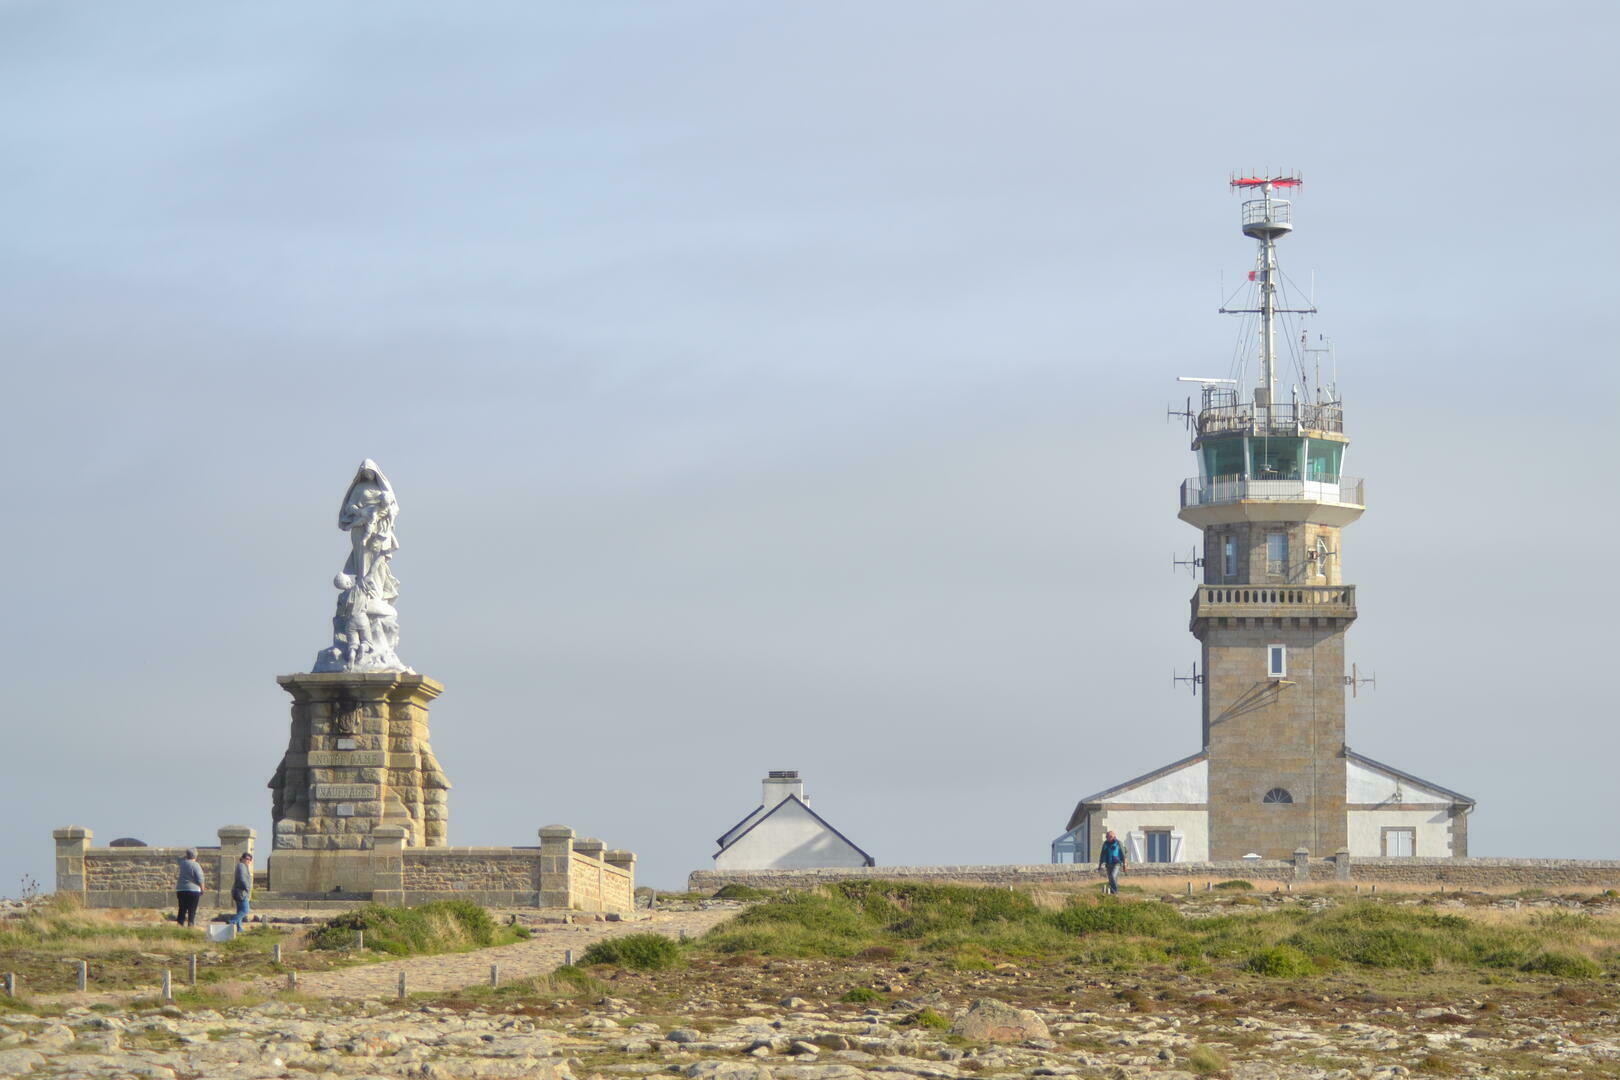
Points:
[(989, 1020)]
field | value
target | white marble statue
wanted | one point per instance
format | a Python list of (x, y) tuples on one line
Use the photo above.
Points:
[(365, 630)]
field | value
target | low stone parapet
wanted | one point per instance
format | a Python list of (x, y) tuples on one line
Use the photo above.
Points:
[(1479, 873)]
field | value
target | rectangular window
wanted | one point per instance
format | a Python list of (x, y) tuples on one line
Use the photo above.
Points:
[(1223, 457), (1276, 661), (1276, 459), (1400, 843), (1229, 567), (1322, 460), (1158, 845), (1277, 553)]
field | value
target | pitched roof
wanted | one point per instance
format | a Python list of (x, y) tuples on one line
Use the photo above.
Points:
[(1362, 759), (1079, 807), (806, 808), (750, 816)]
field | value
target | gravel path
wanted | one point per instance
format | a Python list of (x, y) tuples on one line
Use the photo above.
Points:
[(540, 954)]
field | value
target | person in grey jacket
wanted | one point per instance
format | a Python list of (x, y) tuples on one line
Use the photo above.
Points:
[(188, 888), (242, 889)]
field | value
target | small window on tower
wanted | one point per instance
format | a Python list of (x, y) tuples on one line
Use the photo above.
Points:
[(1276, 661), (1229, 566), (1278, 795), (1276, 553)]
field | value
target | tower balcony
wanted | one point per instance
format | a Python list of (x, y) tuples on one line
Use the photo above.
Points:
[(1224, 500), (1274, 601)]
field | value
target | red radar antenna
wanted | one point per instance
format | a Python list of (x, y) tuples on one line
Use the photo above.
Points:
[(1287, 180)]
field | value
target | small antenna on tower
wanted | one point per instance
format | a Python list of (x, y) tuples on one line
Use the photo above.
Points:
[(1192, 562), (1193, 681), (1355, 680)]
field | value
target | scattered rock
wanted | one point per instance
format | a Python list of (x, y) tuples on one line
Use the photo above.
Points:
[(989, 1020)]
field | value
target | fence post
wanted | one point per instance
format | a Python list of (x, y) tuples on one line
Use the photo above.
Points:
[(191, 971), (568, 957), (402, 984), (84, 975), (494, 974), (292, 980), (11, 984), (275, 952), (359, 940), (168, 986)]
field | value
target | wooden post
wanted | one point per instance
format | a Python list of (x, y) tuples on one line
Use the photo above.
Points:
[(168, 986), (292, 980), (191, 972), (494, 974), (1189, 888), (360, 939), (275, 952), (11, 984), (402, 984), (84, 975)]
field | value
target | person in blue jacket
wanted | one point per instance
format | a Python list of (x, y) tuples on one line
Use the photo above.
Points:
[(1111, 860), (241, 890)]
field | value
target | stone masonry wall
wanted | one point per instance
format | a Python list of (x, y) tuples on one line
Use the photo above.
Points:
[(1480, 873), (475, 873), (138, 869)]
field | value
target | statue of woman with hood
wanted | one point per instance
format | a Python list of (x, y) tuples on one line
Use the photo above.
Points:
[(365, 629)]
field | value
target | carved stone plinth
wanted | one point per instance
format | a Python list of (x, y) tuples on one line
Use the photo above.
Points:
[(358, 759)]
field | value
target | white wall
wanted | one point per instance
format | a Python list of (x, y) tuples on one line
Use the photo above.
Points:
[(1433, 839), (1193, 825), (1189, 784), (790, 839), (1364, 785)]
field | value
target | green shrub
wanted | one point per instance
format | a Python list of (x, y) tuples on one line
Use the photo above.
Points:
[(1566, 965), (1236, 884), (1113, 917), (861, 995), (927, 1018), (1280, 962), (439, 927), (643, 952), (739, 891)]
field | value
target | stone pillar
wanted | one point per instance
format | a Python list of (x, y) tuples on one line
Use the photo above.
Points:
[(593, 847), (1302, 864), (626, 861), (556, 863), (358, 757), (71, 845), (1341, 864), (234, 842), (388, 864)]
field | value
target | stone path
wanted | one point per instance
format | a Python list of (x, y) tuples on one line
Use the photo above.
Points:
[(540, 954)]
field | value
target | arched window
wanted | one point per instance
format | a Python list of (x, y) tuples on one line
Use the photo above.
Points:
[(1278, 795)]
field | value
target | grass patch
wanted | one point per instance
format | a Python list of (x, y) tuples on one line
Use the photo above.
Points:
[(926, 1018), (738, 891), (861, 995), (1234, 885), (640, 952), (1280, 962), (1204, 1061), (442, 926)]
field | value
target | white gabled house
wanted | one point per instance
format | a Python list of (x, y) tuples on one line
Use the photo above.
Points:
[(783, 833)]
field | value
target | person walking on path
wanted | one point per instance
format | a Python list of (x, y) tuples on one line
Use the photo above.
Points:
[(242, 889), (1111, 860), (188, 888)]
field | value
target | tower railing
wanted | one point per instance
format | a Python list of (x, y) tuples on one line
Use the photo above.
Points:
[(1291, 419), (1197, 491), (1268, 212), (1334, 601)]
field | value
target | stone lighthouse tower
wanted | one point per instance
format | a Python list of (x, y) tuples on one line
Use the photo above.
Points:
[(1271, 499)]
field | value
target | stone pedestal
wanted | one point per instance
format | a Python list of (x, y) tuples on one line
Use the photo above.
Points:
[(358, 759)]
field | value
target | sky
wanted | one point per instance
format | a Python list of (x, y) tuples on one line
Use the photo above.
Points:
[(783, 386)]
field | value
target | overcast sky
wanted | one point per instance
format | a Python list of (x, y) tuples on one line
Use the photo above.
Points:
[(783, 386)]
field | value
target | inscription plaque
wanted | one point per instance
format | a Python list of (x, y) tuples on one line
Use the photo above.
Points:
[(346, 791), (345, 809), (338, 759), (346, 744)]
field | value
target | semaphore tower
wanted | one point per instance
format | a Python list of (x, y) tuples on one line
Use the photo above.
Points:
[(1271, 500)]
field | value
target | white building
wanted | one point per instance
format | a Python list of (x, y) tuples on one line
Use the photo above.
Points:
[(783, 833), (1164, 815)]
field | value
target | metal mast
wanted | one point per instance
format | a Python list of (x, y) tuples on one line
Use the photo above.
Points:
[(1266, 219)]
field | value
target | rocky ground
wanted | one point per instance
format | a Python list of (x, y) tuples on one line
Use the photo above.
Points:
[(877, 1016)]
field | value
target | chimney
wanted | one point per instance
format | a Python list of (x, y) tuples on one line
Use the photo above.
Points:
[(779, 784)]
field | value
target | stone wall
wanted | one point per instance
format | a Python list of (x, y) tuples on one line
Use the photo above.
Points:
[(143, 876), (562, 872), (1476, 873)]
